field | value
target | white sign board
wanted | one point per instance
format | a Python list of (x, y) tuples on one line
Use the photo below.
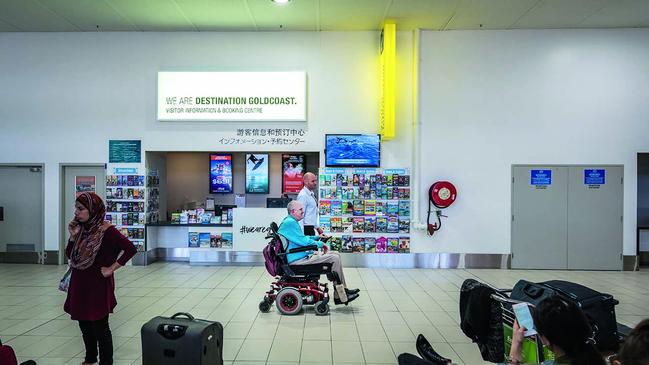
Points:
[(232, 96), (250, 226)]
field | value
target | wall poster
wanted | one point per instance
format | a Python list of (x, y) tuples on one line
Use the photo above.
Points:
[(293, 166)]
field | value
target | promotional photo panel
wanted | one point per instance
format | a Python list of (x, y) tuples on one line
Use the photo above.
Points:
[(220, 173), (257, 173), (293, 166)]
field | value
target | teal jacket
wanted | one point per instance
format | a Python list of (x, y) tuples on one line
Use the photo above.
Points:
[(292, 231)]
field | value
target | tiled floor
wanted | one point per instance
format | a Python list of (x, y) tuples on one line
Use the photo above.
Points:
[(394, 307)]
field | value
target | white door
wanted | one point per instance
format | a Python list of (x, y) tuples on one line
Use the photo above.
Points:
[(21, 226)]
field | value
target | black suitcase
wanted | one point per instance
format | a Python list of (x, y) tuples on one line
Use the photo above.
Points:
[(598, 307), (177, 340)]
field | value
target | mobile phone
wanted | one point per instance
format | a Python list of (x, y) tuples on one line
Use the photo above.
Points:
[(524, 317)]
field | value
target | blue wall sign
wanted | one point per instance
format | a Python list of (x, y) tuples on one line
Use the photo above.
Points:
[(595, 177), (541, 177)]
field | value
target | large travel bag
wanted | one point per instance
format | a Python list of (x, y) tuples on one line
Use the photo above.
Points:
[(176, 340), (598, 307)]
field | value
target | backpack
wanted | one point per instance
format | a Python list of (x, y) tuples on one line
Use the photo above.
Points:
[(481, 319), (271, 259)]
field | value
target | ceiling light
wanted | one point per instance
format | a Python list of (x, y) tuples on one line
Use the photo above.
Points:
[(280, 2)]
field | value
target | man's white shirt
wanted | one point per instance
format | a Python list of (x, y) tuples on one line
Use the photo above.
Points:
[(307, 197)]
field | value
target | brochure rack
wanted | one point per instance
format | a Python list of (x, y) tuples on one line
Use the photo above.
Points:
[(365, 210)]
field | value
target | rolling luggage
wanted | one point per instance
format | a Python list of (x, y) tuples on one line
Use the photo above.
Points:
[(598, 307), (176, 340)]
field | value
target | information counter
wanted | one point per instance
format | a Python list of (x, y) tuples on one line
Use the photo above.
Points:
[(238, 243)]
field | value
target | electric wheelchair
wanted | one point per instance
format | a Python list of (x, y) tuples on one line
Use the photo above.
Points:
[(296, 285)]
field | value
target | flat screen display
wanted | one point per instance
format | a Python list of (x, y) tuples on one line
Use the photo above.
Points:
[(257, 173), (220, 173), (293, 173), (352, 150)]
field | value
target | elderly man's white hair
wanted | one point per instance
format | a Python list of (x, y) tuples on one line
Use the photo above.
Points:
[(293, 204)]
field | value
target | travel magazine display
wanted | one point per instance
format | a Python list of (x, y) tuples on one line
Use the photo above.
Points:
[(125, 204), (365, 209)]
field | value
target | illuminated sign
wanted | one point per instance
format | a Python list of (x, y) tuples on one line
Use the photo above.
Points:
[(232, 96), (388, 65)]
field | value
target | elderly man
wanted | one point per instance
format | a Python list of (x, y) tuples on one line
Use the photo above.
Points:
[(290, 228), (308, 199)]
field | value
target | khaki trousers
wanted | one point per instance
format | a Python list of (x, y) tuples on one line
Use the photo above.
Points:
[(331, 257)]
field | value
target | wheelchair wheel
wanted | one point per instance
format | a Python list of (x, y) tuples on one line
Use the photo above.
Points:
[(321, 308), (264, 305), (289, 301)]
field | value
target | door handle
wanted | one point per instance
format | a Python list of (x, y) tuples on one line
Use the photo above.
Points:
[(2, 214)]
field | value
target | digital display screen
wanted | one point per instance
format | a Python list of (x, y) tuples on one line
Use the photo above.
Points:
[(257, 173), (352, 150), (220, 173), (293, 167)]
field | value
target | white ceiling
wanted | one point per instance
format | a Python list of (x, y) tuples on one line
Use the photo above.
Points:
[(315, 15)]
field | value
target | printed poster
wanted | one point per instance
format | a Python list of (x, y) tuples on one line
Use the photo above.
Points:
[(84, 184)]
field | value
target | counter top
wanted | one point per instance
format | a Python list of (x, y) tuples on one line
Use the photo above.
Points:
[(169, 224)]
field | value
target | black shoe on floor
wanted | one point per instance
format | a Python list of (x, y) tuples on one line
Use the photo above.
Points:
[(352, 291), (350, 298), (426, 351)]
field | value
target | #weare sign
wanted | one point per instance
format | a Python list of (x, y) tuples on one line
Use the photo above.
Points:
[(232, 96)]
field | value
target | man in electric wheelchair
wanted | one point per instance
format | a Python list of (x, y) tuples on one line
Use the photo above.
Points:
[(292, 259), (290, 228)]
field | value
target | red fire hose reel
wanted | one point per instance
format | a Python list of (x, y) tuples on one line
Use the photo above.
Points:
[(441, 194)]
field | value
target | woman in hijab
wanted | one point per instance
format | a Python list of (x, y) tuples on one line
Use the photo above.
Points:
[(93, 250)]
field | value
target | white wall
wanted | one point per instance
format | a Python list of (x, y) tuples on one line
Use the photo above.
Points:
[(64, 95), (490, 99)]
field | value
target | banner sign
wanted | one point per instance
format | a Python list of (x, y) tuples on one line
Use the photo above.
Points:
[(293, 173), (124, 151), (232, 96)]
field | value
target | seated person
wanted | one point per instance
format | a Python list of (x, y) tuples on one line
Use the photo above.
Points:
[(291, 230), (635, 350), (564, 329)]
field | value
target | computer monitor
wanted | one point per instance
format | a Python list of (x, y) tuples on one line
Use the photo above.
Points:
[(277, 202)]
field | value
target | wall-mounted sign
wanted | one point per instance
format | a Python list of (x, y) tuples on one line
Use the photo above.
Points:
[(232, 96), (124, 151), (595, 177), (541, 177)]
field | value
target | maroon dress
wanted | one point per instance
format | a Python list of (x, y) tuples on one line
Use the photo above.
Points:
[(91, 296)]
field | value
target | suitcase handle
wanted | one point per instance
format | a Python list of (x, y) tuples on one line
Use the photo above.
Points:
[(184, 314), (532, 291)]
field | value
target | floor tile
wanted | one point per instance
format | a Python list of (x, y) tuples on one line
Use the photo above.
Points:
[(315, 351), (254, 350), (378, 352), (285, 350), (347, 352)]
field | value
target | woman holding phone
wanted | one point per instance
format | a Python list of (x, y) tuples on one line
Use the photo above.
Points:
[(564, 329), (93, 251)]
